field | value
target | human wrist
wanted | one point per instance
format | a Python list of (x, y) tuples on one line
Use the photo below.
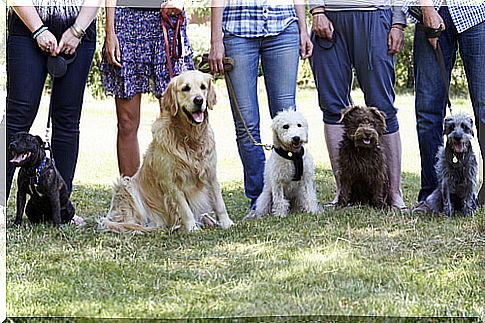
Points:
[(77, 31), (398, 27), (318, 11), (39, 31)]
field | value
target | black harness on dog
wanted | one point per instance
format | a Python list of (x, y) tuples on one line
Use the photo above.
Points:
[(39, 172), (297, 159)]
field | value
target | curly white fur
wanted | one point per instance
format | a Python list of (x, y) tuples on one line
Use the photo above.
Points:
[(177, 181), (281, 194)]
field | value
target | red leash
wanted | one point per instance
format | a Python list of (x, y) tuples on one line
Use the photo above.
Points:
[(176, 37)]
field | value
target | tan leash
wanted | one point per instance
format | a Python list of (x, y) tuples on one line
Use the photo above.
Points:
[(228, 66)]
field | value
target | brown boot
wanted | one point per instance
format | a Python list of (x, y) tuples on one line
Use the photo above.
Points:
[(391, 143), (333, 136)]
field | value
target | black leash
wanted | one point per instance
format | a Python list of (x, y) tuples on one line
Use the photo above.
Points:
[(417, 14)]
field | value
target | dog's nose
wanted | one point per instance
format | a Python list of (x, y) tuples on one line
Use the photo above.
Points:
[(296, 139), (458, 136), (198, 100), (12, 146)]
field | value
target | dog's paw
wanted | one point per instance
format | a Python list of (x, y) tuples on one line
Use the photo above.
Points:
[(78, 221), (17, 223), (226, 223), (191, 227)]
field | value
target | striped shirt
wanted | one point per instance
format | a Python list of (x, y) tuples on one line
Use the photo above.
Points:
[(398, 17), (464, 13), (257, 18)]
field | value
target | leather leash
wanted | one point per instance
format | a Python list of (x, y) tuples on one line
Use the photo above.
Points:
[(417, 14), (229, 63), (176, 51)]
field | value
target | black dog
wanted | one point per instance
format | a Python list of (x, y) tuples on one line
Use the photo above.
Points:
[(39, 178)]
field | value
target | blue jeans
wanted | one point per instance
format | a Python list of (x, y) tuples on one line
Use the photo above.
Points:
[(430, 101), (279, 60), (26, 75)]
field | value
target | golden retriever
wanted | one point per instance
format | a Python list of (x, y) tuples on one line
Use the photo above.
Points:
[(177, 182)]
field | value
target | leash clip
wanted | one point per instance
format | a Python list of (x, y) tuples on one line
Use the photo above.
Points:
[(267, 147)]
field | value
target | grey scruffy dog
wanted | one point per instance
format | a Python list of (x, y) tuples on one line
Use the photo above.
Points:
[(456, 169)]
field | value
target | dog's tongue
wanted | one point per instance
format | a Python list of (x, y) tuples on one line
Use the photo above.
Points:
[(459, 147), (198, 116), (17, 158), (366, 141)]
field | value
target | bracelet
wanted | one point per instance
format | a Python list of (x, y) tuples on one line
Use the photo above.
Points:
[(318, 13), (397, 27), (39, 31), (77, 31)]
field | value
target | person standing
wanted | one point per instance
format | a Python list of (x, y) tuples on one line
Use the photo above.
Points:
[(365, 36), (274, 32), (135, 62), (463, 29), (38, 29)]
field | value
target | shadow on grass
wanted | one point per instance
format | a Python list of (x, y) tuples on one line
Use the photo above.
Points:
[(356, 261)]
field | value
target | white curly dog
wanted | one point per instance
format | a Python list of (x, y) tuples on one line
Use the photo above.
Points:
[(289, 172)]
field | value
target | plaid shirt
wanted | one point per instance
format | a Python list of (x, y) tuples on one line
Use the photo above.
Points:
[(257, 18), (464, 13)]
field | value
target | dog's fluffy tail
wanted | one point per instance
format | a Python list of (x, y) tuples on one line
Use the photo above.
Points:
[(124, 214)]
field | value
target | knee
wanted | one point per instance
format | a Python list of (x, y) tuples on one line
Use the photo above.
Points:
[(127, 126)]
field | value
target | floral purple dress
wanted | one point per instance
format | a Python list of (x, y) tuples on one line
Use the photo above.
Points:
[(143, 59)]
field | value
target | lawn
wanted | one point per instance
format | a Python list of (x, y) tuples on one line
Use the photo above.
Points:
[(355, 261)]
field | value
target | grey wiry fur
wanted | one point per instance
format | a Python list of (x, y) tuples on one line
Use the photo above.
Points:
[(456, 169)]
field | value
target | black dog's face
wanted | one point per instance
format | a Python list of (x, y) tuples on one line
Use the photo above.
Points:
[(25, 149), (459, 132), (364, 125)]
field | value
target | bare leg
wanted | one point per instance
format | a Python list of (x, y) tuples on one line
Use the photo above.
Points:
[(392, 148), (333, 136), (128, 114)]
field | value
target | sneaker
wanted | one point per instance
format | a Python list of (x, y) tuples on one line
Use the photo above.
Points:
[(421, 208)]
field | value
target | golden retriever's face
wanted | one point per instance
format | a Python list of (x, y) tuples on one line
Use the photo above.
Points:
[(191, 94)]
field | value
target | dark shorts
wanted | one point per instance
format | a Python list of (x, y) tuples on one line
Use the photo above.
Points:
[(360, 43)]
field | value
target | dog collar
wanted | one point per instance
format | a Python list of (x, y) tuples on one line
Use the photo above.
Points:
[(40, 168), (297, 159)]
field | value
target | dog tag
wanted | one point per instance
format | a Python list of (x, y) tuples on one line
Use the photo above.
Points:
[(290, 154), (455, 160)]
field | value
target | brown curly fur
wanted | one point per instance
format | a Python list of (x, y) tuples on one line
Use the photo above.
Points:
[(362, 163)]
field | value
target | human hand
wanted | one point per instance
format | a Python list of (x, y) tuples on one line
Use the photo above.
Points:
[(432, 19), (322, 26), (68, 43), (216, 57), (112, 48), (395, 39), (306, 45), (47, 42), (173, 7)]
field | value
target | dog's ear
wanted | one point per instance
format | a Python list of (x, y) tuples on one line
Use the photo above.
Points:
[(470, 119), (446, 125), (380, 118), (39, 140), (347, 112), (169, 98), (211, 92)]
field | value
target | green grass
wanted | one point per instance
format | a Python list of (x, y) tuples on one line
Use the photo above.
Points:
[(356, 261)]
